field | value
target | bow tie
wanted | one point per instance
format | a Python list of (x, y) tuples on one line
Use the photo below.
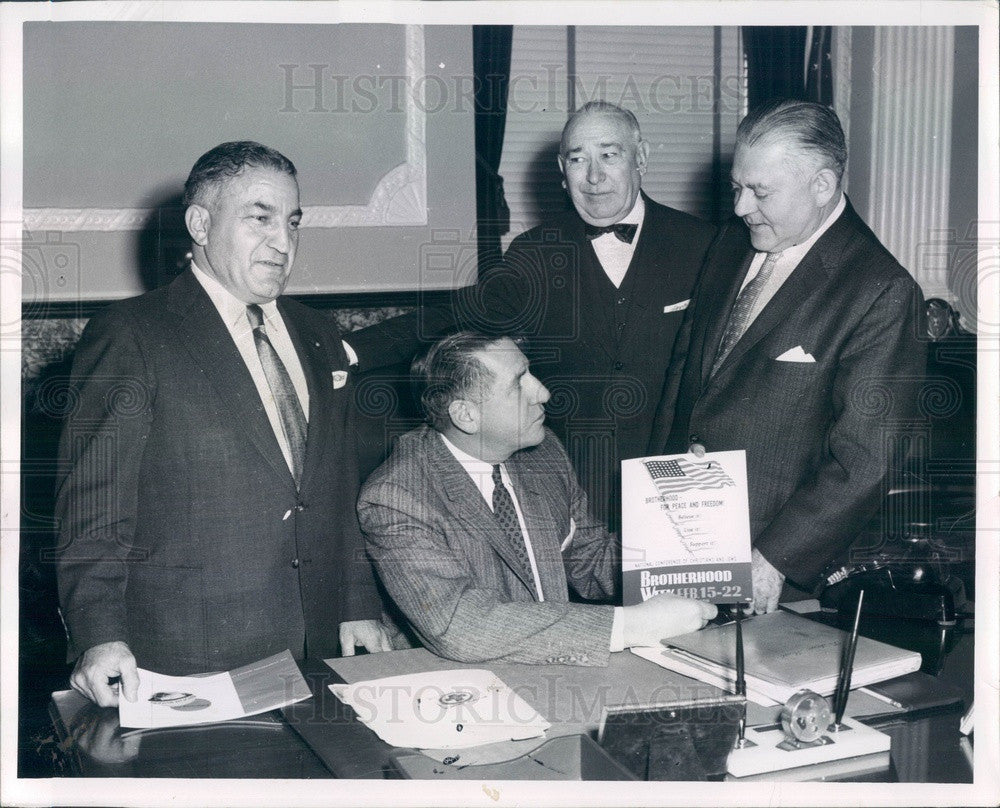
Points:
[(623, 232)]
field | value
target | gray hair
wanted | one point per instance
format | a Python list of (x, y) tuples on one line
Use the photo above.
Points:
[(226, 161), (450, 370), (623, 116), (811, 128)]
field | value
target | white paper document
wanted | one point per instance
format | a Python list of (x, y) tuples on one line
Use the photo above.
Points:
[(172, 701), (451, 709), (686, 528)]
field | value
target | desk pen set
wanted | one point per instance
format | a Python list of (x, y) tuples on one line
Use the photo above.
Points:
[(809, 731)]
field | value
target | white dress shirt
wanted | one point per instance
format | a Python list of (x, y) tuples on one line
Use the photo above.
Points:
[(614, 254), (234, 314), (787, 261), (481, 473)]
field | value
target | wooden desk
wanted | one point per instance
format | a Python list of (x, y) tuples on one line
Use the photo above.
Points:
[(925, 748)]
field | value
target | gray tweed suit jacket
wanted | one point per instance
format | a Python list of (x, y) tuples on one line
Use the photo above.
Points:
[(449, 567)]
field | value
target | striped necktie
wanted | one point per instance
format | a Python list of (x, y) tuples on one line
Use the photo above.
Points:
[(739, 317), (293, 420), (506, 515)]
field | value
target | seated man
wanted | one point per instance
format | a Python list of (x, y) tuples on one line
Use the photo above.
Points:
[(477, 523)]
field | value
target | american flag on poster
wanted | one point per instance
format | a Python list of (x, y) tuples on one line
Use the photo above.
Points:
[(674, 476)]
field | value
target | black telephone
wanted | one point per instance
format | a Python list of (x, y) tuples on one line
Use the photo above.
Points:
[(911, 584)]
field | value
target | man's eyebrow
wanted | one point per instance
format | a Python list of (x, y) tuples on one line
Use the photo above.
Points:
[(269, 208), (753, 186)]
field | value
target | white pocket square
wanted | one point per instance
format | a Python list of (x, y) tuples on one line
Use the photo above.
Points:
[(795, 354), (677, 306), (339, 379)]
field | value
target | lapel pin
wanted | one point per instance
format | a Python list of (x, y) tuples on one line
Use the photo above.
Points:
[(339, 379)]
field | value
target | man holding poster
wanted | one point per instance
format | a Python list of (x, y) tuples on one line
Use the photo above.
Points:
[(800, 348)]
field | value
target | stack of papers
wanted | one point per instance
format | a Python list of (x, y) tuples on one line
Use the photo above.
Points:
[(784, 653), (451, 709), (174, 701)]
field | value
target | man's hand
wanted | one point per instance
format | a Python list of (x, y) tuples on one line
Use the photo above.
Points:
[(767, 583), (369, 633), (664, 616), (98, 665)]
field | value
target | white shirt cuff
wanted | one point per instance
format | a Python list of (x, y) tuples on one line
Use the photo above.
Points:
[(352, 357), (618, 630)]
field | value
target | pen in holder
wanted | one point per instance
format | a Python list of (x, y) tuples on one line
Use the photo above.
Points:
[(809, 731), (741, 680), (846, 669)]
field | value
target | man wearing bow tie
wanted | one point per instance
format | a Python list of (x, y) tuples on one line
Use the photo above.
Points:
[(800, 347), (206, 500), (599, 292)]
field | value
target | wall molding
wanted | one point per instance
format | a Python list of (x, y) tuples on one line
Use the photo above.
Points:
[(911, 148), (842, 85), (398, 199)]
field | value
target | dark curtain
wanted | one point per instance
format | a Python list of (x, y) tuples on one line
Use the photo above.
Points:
[(491, 62), (777, 68)]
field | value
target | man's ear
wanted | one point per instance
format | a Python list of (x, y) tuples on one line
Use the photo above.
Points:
[(464, 415), (824, 186), (642, 156), (562, 168), (198, 221)]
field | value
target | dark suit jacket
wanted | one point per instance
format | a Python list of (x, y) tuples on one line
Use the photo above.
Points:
[(601, 351), (446, 562), (820, 436), (181, 530)]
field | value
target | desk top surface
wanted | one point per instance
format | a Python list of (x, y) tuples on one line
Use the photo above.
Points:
[(570, 697)]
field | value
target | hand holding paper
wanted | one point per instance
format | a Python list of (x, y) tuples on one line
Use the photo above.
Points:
[(100, 663), (175, 701), (767, 583)]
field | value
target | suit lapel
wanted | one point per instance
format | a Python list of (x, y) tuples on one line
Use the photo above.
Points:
[(534, 498), (811, 273), (469, 505), (200, 328), (724, 276), (806, 277)]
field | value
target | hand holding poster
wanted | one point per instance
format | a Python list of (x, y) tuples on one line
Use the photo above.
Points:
[(686, 528)]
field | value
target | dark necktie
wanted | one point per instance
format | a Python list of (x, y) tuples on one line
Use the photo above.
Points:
[(293, 421), (623, 232), (739, 317), (503, 510)]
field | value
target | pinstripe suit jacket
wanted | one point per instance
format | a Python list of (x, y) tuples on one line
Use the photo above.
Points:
[(447, 564), (181, 529)]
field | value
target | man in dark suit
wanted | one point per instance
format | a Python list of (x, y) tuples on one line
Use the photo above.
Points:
[(206, 503), (476, 525), (800, 347), (600, 293)]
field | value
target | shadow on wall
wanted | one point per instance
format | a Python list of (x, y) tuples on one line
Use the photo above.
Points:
[(544, 191), (161, 248)]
